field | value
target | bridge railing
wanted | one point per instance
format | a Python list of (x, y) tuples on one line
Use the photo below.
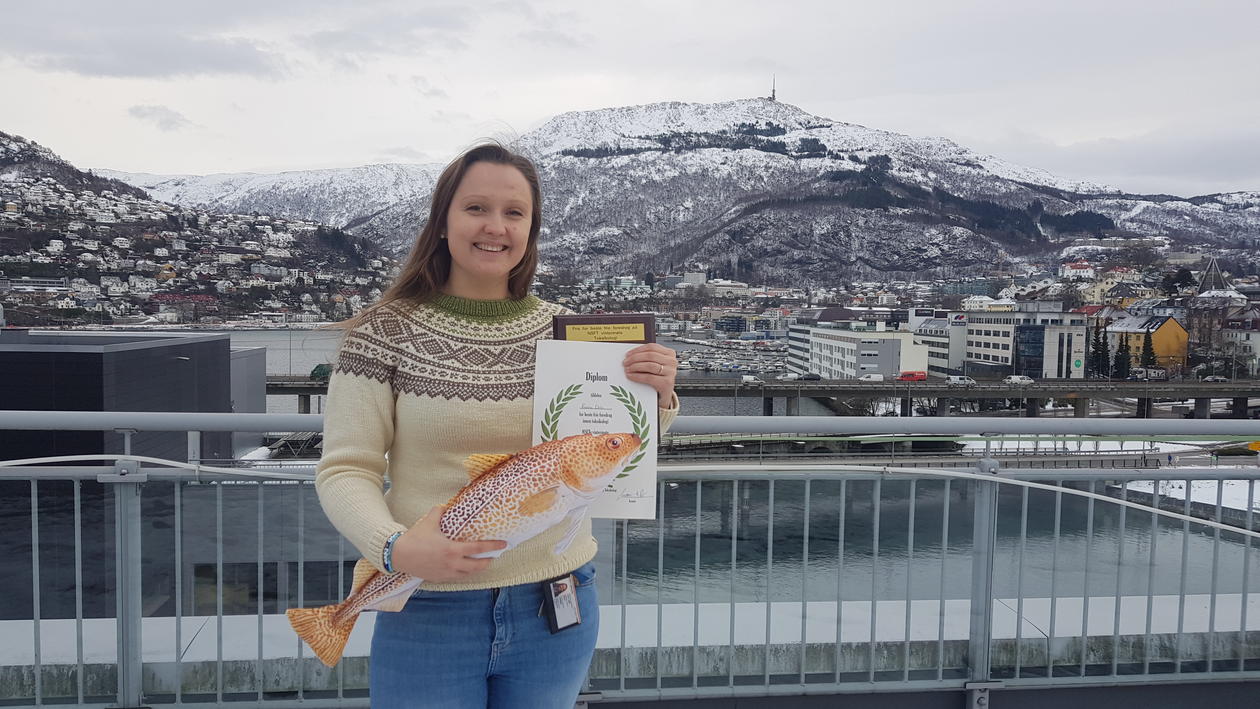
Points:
[(134, 582)]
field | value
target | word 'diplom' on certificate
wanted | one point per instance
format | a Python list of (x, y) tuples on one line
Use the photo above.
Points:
[(581, 387)]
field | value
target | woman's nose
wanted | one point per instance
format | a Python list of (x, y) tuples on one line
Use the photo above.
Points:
[(496, 225)]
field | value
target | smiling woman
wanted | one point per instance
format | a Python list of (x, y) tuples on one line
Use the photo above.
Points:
[(440, 372), (489, 187), (487, 230)]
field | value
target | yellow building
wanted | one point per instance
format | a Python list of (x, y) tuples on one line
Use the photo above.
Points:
[(1169, 339)]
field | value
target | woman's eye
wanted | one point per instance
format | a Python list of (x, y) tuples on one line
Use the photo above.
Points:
[(474, 208)]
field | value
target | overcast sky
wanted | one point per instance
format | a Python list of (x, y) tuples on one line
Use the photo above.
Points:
[(1146, 95)]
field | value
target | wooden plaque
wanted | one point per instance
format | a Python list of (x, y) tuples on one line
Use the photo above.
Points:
[(617, 327)]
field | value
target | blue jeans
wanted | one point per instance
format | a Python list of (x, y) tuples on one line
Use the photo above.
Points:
[(490, 648)]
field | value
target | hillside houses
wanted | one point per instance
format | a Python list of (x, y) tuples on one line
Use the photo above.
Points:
[(123, 251)]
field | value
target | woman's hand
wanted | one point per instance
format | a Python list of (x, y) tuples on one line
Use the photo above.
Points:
[(654, 365), (424, 552)]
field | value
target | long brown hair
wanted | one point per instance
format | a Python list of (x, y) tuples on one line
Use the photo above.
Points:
[(428, 265)]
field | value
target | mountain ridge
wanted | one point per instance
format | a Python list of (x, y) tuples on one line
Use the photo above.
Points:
[(753, 187)]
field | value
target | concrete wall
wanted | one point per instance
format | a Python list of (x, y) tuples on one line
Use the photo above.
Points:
[(248, 391)]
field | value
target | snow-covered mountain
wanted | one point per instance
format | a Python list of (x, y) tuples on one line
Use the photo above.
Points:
[(20, 157), (336, 196), (754, 188)]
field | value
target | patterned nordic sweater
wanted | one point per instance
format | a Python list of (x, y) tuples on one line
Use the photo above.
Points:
[(415, 391)]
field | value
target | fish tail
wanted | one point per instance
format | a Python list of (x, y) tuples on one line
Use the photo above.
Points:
[(322, 630)]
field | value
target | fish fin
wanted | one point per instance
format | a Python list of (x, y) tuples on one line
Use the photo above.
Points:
[(481, 463), (570, 533), (320, 629), (539, 501), (363, 570), (396, 602), (493, 554)]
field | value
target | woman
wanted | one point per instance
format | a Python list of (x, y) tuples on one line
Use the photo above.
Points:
[(438, 370)]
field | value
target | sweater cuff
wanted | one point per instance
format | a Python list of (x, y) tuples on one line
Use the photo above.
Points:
[(376, 544), (665, 415), (673, 404)]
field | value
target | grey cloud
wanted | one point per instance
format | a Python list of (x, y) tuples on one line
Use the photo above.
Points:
[(406, 153), (166, 119), (149, 58), (1187, 160), (419, 84), (84, 40), (554, 39), (427, 89), (451, 117), (390, 34)]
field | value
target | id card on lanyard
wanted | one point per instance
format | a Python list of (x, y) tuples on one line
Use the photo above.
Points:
[(560, 603)]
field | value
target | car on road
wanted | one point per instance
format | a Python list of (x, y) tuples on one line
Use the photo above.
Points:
[(1018, 380), (790, 376), (1214, 379), (955, 380), (871, 378), (811, 377), (912, 376), (750, 379)]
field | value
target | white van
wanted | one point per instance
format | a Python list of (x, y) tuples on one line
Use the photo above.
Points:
[(955, 380), (1017, 380), (871, 378), (749, 379)]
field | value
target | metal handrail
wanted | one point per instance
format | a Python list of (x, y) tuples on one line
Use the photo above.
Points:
[(944, 425), (985, 479)]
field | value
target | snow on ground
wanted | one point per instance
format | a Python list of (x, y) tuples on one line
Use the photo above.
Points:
[(1049, 444), (1233, 492)]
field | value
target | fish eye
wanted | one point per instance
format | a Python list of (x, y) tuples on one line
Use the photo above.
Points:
[(614, 443)]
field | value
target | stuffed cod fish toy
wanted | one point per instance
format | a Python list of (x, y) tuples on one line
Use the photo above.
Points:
[(510, 497)]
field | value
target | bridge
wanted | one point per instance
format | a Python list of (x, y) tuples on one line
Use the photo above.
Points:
[(1078, 391)]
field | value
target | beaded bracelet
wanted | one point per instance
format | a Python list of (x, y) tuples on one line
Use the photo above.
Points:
[(387, 554)]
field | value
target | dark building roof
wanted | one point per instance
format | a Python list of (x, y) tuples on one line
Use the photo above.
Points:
[(1212, 278)]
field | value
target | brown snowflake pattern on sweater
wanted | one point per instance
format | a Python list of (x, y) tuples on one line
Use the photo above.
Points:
[(427, 350)]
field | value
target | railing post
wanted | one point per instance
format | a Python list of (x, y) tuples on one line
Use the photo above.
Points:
[(126, 480), (984, 535), (194, 447)]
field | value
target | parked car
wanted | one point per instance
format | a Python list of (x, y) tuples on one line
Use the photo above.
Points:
[(914, 376), (871, 378), (1215, 378), (956, 380), (811, 376), (1017, 380)]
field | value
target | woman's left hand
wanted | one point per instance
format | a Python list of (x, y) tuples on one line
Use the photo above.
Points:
[(654, 365)]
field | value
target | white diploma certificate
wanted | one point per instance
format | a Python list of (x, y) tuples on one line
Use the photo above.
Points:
[(581, 387)]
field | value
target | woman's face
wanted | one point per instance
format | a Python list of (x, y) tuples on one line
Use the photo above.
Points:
[(487, 229)]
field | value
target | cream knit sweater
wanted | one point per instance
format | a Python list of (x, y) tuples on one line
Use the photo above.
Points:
[(416, 390)]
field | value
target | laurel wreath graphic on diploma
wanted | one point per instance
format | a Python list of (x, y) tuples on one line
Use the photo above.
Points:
[(638, 417), (551, 416)]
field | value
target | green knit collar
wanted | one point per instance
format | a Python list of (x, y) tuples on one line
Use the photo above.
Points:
[(485, 310)]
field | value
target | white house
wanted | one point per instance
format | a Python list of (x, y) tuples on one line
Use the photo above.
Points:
[(1077, 270)]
